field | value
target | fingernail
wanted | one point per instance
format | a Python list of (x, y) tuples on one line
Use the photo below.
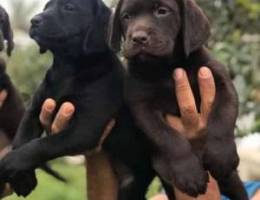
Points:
[(205, 72), (68, 110), (178, 74), (50, 107)]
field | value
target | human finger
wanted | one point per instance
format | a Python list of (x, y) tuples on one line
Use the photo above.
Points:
[(63, 117), (46, 114), (185, 99), (175, 123), (207, 91)]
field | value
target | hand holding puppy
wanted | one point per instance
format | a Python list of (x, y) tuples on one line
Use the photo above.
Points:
[(192, 122), (61, 120)]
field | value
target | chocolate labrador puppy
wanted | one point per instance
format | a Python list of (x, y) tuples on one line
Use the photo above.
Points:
[(88, 74), (160, 36)]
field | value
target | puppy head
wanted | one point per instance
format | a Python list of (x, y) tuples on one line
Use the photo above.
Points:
[(71, 25), (6, 32), (154, 28)]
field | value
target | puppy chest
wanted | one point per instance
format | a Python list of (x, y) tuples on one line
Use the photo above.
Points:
[(165, 97), (66, 89)]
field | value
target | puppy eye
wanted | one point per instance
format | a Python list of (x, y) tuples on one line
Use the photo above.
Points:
[(126, 16), (162, 11), (69, 7)]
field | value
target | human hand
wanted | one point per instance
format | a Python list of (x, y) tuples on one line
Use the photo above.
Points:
[(98, 165), (192, 123), (63, 118), (60, 122)]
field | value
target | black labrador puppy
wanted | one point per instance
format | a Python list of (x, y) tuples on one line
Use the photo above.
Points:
[(160, 36), (88, 74), (6, 32)]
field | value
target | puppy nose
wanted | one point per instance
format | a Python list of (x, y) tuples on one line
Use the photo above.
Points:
[(36, 20), (140, 37)]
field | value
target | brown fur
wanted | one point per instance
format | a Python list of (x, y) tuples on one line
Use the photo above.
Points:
[(160, 36)]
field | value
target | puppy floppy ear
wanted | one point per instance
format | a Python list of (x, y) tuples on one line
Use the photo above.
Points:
[(8, 34), (196, 28), (95, 40), (115, 29)]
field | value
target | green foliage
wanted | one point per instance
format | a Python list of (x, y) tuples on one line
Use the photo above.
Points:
[(236, 42), (51, 189), (27, 68)]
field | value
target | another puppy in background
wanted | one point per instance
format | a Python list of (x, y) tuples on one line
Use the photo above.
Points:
[(12, 111), (6, 32), (160, 36)]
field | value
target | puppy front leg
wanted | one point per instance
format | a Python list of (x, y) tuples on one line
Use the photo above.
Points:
[(220, 154), (74, 140), (233, 187), (29, 129), (221, 157), (173, 158), (30, 126)]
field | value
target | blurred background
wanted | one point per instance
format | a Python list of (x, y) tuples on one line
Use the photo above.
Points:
[(235, 41)]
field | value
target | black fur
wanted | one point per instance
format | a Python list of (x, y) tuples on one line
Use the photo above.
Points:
[(88, 74), (6, 32)]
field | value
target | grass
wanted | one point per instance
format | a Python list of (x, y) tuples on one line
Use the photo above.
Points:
[(50, 189)]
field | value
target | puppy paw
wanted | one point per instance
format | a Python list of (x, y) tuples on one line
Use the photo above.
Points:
[(190, 177), (13, 164), (24, 183), (186, 174), (221, 158)]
